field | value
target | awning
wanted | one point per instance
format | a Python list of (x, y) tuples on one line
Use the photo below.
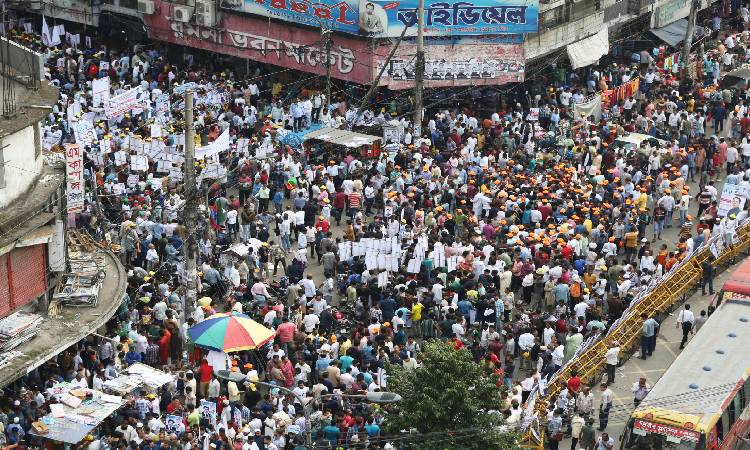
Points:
[(672, 34), (588, 51), (39, 236)]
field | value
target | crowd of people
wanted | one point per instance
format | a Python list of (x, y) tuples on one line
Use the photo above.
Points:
[(517, 237)]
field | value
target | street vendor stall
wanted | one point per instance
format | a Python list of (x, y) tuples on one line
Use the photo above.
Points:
[(75, 412), (138, 376), (335, 144)]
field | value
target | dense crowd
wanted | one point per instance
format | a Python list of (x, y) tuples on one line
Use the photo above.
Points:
[(516, 237)]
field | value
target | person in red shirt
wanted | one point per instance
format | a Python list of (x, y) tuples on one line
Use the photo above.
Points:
[(574, 384), (322, 225), (164, 346), (205, 373), (285, 332), (339, 203)]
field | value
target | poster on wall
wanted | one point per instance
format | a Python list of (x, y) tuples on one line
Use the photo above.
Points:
[(74, 192), (387, 18), (446, 65)]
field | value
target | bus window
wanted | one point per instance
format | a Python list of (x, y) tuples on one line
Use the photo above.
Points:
[(720, 429)]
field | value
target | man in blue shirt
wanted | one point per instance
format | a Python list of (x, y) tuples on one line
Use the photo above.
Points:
[(331, 434), (373, 429), (132, 356)]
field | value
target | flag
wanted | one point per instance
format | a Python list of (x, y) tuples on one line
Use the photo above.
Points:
[(46, 38)]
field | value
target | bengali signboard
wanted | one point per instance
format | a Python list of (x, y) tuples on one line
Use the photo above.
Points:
[(445, 65), (339, 15), (74, 192), (666, 430), (249, 37), (387, 18)]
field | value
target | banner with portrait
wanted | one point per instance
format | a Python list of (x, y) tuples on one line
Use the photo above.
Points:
[(732, 200), (446, 66)]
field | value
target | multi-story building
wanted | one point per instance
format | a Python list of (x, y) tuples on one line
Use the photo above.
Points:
[(32, 248), (466, 44)]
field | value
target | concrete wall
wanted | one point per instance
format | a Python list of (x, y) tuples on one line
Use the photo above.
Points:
[(22, 167), (28, 64)]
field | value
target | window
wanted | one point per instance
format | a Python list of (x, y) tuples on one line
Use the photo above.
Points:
[(37, 142)]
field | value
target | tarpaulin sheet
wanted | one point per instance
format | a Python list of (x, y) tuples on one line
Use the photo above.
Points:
[(672, 34), (590, 107), (588, 51)]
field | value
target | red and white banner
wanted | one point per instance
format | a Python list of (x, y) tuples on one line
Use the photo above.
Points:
[(258, 39), (666, 430), (453, 65), (120, 104), (74, 192)]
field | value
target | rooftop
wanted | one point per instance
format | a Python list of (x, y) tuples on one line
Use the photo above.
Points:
[(71, 325), (32, 105)]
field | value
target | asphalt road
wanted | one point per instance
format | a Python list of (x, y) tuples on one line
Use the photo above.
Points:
[(668, 341)]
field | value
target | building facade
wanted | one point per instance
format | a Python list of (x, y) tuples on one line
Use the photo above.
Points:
[(32, 244)]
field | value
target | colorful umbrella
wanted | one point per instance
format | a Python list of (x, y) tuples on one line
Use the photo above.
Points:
[(229, 332)]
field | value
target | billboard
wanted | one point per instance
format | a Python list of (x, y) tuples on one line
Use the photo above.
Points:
[(387, 18), (339, 15), (445, 65), (249, 37)]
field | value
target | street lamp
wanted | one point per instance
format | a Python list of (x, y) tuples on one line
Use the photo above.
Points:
[(374, 397)]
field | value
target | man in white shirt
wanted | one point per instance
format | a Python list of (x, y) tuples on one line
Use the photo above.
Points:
[(686, 319), (310, 321), (309, 286), (613, 358)]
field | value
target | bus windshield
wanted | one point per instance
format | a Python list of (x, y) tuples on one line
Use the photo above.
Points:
[(652, 436)]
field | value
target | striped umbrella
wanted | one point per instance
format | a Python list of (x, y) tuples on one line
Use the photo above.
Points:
[(229, 332)]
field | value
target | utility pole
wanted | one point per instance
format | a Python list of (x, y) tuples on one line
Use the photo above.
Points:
[(191, 208), (689, 36), (327, 44), (375, 83), (419, 73)]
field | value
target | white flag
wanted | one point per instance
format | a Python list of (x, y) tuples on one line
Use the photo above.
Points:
[(46, 38)]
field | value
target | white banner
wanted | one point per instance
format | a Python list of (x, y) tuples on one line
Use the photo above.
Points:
[(74, 176), (84, 132), (590, 107), (100, 91), (219, 145), (120, 104), (733, 198)]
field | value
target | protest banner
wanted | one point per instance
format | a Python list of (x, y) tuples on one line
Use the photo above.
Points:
[(732, 200)]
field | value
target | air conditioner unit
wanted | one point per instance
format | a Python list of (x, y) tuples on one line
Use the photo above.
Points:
[(36, 5), (182, 13), (146, 7), (205, 13)]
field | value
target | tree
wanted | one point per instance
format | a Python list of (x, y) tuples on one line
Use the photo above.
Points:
[(446, 400)]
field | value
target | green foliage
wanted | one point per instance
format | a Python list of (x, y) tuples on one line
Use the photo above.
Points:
[(446, 400)]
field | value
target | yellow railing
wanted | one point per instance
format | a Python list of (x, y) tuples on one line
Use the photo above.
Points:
[(628, 332)]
